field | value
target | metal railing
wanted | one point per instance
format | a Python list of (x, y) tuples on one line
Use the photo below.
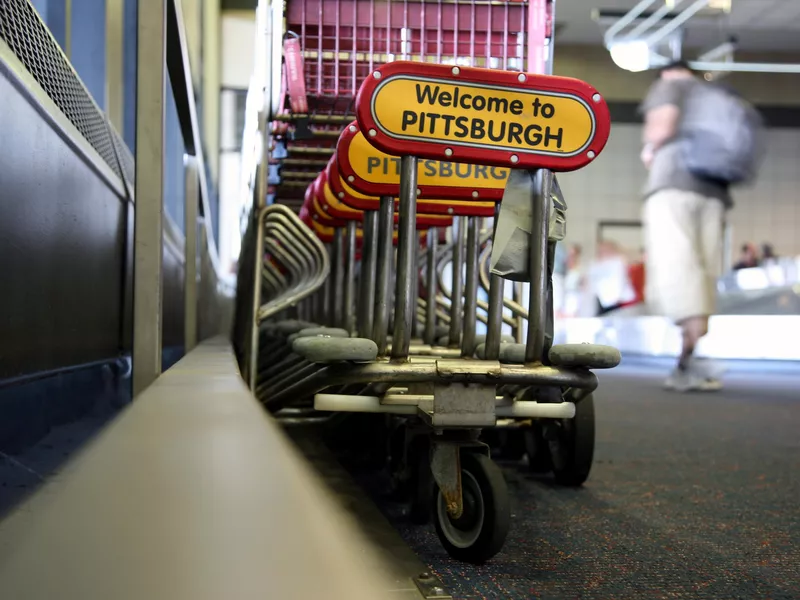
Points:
[(163, 59)]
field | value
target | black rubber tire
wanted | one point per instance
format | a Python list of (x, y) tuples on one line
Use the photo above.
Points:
[(573, 449), (478, 470), (538, 450)]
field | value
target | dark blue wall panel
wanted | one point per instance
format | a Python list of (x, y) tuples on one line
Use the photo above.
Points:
[(54, 14), (88, 46), (130, 20)]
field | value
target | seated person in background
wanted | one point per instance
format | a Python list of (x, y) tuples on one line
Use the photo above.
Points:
[(609, 278), (748, 258), (636, 274), (768, 253), (574, 282)]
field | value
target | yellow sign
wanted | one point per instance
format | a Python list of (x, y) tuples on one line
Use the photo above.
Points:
[(375, 167), (344, 211), (478, 116)]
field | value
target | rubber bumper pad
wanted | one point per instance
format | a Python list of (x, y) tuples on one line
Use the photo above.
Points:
[(591, 356), (331, 349)]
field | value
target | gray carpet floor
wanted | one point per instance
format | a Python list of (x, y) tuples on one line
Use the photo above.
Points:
[(691, 496)]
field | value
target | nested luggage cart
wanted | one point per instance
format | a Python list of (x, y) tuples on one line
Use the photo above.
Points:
[(332, 45), (324, 349)]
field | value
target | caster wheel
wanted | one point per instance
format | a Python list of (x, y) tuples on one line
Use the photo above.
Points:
[(572, 450), (479, 533), (538, 450)]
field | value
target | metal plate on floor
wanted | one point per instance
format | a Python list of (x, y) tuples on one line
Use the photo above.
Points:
[(431, 587)]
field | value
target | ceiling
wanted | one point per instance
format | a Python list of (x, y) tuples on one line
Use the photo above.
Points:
[(759, 25)]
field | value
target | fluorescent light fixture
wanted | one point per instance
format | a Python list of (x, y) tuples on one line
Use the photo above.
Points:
[(631, 56)]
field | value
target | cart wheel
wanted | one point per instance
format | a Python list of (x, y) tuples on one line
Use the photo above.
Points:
[(538, 450), (479, 533), (573, 447)]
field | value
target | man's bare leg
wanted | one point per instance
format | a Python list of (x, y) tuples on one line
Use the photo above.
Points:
[(692, 330)]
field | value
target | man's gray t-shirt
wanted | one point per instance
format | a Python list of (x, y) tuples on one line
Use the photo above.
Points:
[(668, 170)]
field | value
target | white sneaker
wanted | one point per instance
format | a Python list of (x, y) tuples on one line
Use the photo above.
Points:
[(706, 367), (691, 379)]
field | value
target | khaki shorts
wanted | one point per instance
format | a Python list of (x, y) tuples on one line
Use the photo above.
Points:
[(683, 234)]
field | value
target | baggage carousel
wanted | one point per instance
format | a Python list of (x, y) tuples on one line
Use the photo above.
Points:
[(750, 325)]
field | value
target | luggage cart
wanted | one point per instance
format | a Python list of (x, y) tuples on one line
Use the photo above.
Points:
[(437, 399)]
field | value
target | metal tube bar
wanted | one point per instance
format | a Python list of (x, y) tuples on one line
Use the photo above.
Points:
[(312, 150), (457, 290), (724, 51), (494, 322), (431, 291), (257, 289), (406, 252), (149, 185), (415, 286), (608, 37), (744, 67), (537, 35), (369, 255), (654, 18), (687, 14), (319, 163), (409, 405), (115, 27), (517, 300), (350, 277), (262, 172), (338, 276), (383, 271), (551, 41), (471, 289), (325, 315), (537, 321), (190, 253)]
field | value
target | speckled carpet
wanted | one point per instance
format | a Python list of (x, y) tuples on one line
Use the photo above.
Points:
[(691, 496)]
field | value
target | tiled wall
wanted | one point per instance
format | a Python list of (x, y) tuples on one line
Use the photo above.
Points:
[(610, 189)]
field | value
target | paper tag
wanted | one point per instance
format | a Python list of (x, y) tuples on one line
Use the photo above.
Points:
[(510, 249)]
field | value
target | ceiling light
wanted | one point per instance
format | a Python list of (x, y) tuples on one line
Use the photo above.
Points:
[(631, 56)]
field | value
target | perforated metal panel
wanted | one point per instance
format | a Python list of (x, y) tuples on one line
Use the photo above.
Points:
[(125, 158), (22, 29)]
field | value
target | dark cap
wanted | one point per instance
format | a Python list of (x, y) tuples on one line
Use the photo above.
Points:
[(675, 64)]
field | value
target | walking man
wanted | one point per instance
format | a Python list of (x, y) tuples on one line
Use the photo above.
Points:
[(683, 226)]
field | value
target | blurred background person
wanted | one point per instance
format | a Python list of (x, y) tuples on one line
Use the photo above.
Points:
[(748, 258), (574, 282), (610, 279), (768, 253), (683, 226), (636, 274)]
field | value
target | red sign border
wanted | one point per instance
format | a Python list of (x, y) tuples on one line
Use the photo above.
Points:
[(425, 207), (437, 192), (475, 75), (330, 215)]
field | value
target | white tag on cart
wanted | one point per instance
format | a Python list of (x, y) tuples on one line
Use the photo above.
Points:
[(513, 234)]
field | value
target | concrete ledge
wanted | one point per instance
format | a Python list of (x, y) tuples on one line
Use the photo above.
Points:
[(193, 492)]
